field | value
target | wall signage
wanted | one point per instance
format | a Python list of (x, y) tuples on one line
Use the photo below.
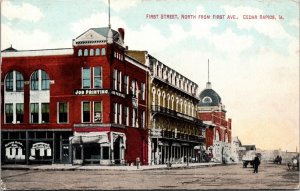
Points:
[(14, 150), (80, 92)]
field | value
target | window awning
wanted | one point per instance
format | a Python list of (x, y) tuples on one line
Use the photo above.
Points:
[(92, 137)]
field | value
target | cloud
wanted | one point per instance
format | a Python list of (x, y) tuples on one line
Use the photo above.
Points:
[(231, 43), (270, 28), (36, 39), (118, 5), (25, 11), (202, 28), (294, 22), (96, 20)]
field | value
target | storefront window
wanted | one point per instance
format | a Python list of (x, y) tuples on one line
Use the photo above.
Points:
[(105, 152)]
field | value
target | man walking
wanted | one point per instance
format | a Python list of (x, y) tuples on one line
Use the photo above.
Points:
[(256, 163)]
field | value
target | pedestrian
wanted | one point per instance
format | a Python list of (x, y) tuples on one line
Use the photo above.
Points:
[(256, 163)]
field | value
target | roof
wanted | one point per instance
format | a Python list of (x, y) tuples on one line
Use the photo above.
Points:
[(10, 49), (209, 97), (104, 31)]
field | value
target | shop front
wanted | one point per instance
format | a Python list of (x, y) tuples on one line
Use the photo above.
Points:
[(35, 147), (102, 148)]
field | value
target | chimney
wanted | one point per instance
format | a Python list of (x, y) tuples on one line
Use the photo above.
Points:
[(122, 33)]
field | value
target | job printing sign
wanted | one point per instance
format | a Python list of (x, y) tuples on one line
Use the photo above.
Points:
[(97, 92)]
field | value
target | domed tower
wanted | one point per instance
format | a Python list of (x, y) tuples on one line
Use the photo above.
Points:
[(218, 132)]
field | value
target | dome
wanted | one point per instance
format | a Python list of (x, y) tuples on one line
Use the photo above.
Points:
[(209, 97)]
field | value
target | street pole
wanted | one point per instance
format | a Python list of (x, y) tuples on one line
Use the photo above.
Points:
[(187, 160)]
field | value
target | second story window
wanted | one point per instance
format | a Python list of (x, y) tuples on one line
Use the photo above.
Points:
[(34, 112), (97, 112), (86, 112), (126, 115), (63, 112), (20, 112), (45, 81), (119, 81), (98, 77), (86, 77), (19, 82), (45, 113), (9, 113)]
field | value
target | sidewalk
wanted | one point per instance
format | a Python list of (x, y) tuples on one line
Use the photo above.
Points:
[(70, 167)]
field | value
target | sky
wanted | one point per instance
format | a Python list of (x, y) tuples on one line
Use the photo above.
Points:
[(254, 63)]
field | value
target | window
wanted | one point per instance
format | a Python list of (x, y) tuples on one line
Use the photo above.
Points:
[(97, 52), (86, 52), (63, 112), (119, 81), (9, 82), (120, 114), (115, 113), (86, 78), (126, 84), (9, 113), (134, 118), (91, 52), (45, 81), (115, 73), (97, 112), (34, 112), (45, 112), (143, 87), (103, 51), (20, 112), (34, 81), (79, 52), (98, 77), (19, 82), (134, 88), (126, 115), (86, 112), (143, 119)]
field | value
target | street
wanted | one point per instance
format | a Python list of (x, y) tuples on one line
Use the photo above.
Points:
[(270, 176)]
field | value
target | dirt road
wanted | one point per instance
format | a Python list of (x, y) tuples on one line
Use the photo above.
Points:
[(270, 176)]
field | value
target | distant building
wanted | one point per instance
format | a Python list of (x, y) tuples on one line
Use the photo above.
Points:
[(218, 129)]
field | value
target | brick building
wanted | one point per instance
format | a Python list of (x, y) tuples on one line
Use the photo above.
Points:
[(86, 104), (218, 129)]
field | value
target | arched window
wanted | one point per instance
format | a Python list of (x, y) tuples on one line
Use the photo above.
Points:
[(9, 82), (19, 81), (45, 81), (39, 77), (97, 52), (91, 52), (103, 51), (79, 52), (34, 81), (86, 52)]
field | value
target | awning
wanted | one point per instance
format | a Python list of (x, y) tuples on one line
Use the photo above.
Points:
[(92, 137)]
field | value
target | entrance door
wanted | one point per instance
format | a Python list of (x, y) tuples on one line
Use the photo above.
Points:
[(117, 156), (65, 154)]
